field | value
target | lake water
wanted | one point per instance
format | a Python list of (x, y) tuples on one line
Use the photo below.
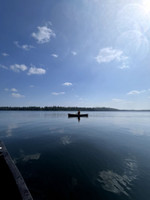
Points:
[(105, 156)]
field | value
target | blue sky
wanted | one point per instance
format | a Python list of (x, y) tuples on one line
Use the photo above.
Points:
[(75, 53)]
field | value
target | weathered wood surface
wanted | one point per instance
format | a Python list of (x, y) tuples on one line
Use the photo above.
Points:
[(12, 183)]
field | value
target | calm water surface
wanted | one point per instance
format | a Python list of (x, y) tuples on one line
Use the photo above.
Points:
[(105, 156)]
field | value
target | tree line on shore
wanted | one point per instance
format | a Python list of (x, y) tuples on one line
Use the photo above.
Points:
[(56, 108)]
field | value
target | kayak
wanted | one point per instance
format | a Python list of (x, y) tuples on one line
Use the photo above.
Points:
[(77, 115)]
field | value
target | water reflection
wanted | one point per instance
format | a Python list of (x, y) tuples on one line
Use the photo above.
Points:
[(27, 157), (75, 118), (60, 154), (116, 183), (137, 131), (56, 130), (10, 128), (35, 156), (65, 140), (74, 181)]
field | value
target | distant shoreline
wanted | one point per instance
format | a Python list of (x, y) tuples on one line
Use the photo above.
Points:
[(61, 108)]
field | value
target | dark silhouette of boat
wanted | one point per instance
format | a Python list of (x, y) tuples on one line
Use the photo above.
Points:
[(77, 115), (12, 183)]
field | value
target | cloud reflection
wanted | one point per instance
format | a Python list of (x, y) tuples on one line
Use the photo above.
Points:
[(28, 157), (116, 183), (31, 157), (10, 129), (56, 130), (65, 140), (137, 131)]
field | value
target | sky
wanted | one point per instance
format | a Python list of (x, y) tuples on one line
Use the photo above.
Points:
[(89, 53)]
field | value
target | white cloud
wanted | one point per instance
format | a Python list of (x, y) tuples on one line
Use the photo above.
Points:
[(74, 53), (35, 70), (27, 47), (18, 68), (3, 66), (118, 100), (24, 46), (17, 95), (58, 93), (14, 90), (54, 55), (67, 84), (31, 86), (43, 34), (134, 92), (5, 54), (109, 54), (124, 66), (121, 103)]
